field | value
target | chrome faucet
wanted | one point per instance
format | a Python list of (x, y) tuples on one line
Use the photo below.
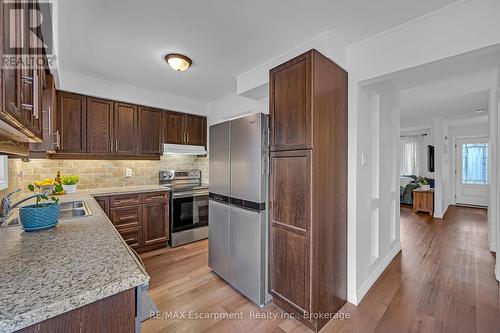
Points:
[(6, 207)]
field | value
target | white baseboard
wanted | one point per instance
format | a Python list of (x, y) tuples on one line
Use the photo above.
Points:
[(365, 287), (352, 297)]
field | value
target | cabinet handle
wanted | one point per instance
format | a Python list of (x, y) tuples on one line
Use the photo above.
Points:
[(129, 239), (35, 94), (126, 217), (50, 120), (111, 144), (187, 137), (116, 145), (58, 140)]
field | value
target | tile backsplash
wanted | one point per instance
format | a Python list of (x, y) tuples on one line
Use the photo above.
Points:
[(101, 173)]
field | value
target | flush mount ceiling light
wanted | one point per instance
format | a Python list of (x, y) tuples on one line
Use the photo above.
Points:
[(178, 62)]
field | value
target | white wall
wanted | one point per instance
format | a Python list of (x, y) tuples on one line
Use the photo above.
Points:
[(466, 26), (91, 86), (233, 106)]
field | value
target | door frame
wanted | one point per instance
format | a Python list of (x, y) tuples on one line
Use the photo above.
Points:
[(454, 164)]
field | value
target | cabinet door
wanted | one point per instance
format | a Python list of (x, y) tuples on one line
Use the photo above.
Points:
[(103, 202), (218, 238), (125, 128), (173, 128), (48, 111), (290, 104), (99, 126), (72, 122), (195, 130), (155, 223), (150, 123), (289, 216)]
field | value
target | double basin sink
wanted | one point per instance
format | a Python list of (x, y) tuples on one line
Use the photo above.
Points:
[(67, 210)]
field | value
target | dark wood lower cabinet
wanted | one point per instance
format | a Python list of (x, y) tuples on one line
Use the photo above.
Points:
[(112, 314), (155, 225), (142, 219)]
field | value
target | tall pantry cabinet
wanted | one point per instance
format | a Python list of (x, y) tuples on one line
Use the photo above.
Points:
[(308, 187)]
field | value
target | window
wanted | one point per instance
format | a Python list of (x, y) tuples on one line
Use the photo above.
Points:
[(4, 172), (475, 164), (412, 155)]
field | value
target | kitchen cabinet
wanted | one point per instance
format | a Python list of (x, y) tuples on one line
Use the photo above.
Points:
[(72, 122), (99, 126), (104, 203), (308, 228), (173, 129), (125, 128), (96, 128), (290, 106), (21, 84), (49, 117), (195, 127), (116, 313), (150, 136), (155, 226), (184, 129), (142, 219)]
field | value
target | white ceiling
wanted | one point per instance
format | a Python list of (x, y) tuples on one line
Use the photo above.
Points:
[(456, 107), (124, 40)]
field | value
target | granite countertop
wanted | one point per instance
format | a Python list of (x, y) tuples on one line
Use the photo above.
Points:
[(80, 261)]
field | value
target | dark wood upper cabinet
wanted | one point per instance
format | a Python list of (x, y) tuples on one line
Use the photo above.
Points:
[(173, 129), (89, 127), (20, 86), (125, 128), (180, 128), (155, 223), (72, 122), (150, 135), (290, 104), (195, 130), (99, 126), (49, 117), (307, 205)]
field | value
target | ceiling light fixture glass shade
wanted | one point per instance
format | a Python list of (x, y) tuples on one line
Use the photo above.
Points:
[(178, 62)]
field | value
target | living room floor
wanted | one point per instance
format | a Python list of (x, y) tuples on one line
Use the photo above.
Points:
[(442, 281)]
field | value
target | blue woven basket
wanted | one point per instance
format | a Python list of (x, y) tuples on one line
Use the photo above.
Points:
[(41, 217)]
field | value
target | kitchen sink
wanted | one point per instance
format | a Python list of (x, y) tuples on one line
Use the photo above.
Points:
[(71, 205), (67, 211)]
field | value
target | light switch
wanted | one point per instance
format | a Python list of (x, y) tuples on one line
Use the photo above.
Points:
[(128, 172), (364, 159)]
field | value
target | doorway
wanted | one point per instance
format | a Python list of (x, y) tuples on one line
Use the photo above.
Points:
[(471, 171)]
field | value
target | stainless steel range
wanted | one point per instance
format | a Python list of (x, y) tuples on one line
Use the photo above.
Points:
[(188, 206)]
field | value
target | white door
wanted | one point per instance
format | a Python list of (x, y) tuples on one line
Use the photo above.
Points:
[(472, 171)]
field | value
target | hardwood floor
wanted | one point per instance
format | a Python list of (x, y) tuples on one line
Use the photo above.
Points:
[(443, 281)]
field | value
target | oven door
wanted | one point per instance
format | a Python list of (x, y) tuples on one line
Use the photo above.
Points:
[(189, 210)]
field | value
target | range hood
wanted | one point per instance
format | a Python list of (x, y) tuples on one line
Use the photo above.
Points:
[(183, 149)]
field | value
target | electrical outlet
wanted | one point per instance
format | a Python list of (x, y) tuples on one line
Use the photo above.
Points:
[(128, 172), (20, 173)]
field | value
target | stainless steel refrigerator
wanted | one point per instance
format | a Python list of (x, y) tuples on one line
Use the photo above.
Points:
[(238, 232)]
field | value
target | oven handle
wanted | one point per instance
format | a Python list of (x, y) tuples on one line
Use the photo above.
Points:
[(188, 194)]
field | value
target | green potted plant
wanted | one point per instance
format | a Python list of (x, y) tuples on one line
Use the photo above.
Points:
[(424, 183), (44, 214), (69, 183)]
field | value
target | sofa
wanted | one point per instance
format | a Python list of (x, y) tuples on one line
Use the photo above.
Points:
[(407, 185)]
